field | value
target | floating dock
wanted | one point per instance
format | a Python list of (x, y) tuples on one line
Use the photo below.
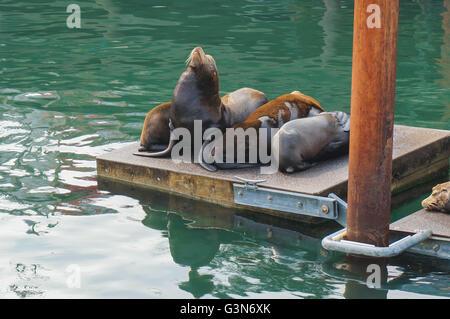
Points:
[(438, 245), (418, 154)]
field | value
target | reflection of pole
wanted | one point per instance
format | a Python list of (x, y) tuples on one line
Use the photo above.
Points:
[(444, 61), (359, 268), (372, 110), (329, 25)]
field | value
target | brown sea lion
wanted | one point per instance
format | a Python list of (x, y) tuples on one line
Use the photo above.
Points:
[(273, 114), (238, 105), (155, 132), (284, 108), (301, 143), (439, 200)]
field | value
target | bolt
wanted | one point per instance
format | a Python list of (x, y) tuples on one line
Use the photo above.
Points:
[(300, 204), (325, 209), (436, 247), (240, 193), (269, 197)]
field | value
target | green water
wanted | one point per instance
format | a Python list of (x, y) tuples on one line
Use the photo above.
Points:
[(68, 95)]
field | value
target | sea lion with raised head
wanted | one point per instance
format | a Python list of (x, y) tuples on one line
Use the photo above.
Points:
[(196, 97), (439, 200), (273, 114), (301, 143)]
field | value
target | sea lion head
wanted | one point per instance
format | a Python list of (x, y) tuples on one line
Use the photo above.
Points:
[(205, 69), (439, 200)]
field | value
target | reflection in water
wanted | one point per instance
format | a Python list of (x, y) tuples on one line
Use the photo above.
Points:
[(194, 248), (244, 259), (191, 247), (444, 60)]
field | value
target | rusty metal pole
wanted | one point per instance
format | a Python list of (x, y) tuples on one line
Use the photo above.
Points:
[(372, 120)]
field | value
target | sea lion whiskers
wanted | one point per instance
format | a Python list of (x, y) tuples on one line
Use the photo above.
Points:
[(196, 57)]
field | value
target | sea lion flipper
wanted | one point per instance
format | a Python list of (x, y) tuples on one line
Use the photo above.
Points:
[(153, 148), (163, 152), (207, 166), (236, 165)]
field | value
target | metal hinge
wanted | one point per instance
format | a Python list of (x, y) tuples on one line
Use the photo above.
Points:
[(251, 194)]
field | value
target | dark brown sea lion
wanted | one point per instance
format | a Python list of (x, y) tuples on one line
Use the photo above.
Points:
[(196, 95), (439, 200), (273, 114), (301, 143)]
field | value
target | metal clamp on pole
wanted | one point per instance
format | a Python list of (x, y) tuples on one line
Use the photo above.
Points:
[(336, 242)]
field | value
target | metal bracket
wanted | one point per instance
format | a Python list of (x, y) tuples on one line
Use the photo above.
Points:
[(251, 183), (336, 242), (342, 209), (250, 194)]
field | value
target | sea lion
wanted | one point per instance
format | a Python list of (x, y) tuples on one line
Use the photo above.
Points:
[(439, 200), (156, 132), (273, 114), (300, 143), (196, 97), (239, 104)]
